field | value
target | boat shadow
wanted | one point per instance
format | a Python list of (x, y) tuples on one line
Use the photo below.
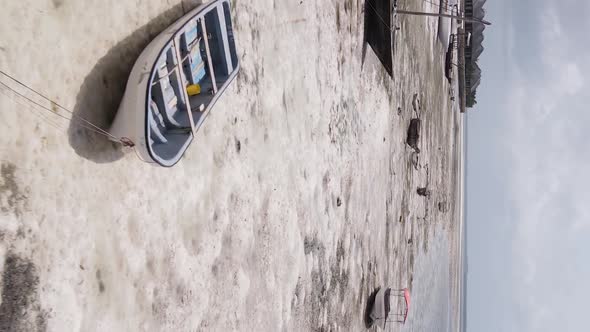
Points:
[(370, 27), (364, 42), (369, 305), (102, 90)]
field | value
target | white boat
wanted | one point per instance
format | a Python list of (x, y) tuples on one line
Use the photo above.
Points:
[(445, 24), (157, 115), (384, 312)]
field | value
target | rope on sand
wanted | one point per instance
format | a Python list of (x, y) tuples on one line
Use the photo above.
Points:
[(73, 117)]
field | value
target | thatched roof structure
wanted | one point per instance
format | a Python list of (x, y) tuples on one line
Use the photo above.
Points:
[(474, 48)]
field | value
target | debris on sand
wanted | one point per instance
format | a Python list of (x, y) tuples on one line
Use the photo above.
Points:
[(415, 160), (20, 308), (414, 134), (238, 146), (423, 192)]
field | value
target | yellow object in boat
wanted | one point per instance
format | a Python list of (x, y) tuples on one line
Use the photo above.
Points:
[(193, 89)]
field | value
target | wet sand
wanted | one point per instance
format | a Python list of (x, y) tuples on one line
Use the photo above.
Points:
[(294, 203)]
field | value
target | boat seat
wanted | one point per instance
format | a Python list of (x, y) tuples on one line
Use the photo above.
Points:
[(165, 97), (194, 67), (156, 125)]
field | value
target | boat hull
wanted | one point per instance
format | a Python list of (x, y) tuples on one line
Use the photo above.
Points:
[(131, 120), (378, 314)]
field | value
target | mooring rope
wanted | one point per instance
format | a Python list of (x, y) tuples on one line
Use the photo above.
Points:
[(379, 16), (446, 7), (73, 117)]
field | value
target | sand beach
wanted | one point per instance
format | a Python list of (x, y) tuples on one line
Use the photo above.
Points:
[(296, 200)]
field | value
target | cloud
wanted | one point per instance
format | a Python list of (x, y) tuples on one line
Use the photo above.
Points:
[(548, 176)]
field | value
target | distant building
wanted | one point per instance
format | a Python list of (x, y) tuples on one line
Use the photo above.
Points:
[(473, 42)]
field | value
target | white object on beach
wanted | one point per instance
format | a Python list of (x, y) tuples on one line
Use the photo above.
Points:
[(156, 112), (445, 24)]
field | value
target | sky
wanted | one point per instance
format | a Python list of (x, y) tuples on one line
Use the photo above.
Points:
[(528, 202)]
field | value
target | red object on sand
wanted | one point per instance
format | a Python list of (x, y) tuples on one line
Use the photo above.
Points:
[(407, 298)]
